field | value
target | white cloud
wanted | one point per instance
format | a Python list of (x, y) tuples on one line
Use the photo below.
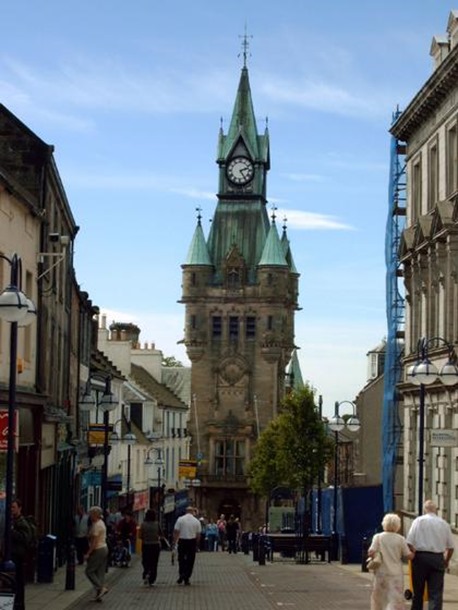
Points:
[(305, 177), (162, 329), (193, 193), (298, 219), (325, 97)]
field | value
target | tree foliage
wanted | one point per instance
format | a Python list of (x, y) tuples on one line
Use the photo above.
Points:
[(170, 361), (294, 448)]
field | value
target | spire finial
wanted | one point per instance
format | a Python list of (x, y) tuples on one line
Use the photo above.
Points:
[(284, 223), (199, 215), (273, 215), (245, 46)]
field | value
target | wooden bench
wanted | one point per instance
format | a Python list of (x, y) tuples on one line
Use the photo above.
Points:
[(285, 544), (318, 544), (290, 545)]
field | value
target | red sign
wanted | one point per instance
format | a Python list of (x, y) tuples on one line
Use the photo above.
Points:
[(140, 500), (4, 430)]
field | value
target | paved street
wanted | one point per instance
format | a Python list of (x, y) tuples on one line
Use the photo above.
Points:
[(221, 581)]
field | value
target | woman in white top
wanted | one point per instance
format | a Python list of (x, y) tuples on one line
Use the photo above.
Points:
[(97, 554), (388, 585)]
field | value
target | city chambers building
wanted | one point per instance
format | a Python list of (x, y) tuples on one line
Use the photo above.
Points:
[(240, 291)]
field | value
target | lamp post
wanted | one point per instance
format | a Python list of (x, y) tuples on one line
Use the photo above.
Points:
[(319, 499), (129, 439), (424, 373), (336, 424), (15, 308), (106, 403), (159, 462)]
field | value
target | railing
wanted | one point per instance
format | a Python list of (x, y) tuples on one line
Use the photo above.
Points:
[(225, 478)]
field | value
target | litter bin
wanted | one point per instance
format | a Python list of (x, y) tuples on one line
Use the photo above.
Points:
[(46, 558)]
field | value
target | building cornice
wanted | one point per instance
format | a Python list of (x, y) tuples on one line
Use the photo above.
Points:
[(433, 92)]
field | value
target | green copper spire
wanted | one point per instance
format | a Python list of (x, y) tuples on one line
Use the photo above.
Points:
[(287, 250), (243, 126), (198, 251), (273, 255), (243, 123), (294, 373)]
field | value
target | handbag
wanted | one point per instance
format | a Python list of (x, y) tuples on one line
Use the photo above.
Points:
[(373, 563)]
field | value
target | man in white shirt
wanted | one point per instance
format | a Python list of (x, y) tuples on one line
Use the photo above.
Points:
[(186, 533), (431, 539)]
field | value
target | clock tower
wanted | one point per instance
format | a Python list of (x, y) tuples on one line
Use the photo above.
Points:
[(240, 291)]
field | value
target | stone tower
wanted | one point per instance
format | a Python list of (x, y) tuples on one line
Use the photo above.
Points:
[(240, 290)]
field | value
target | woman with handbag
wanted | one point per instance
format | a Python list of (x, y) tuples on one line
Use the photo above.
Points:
[(391, 548)]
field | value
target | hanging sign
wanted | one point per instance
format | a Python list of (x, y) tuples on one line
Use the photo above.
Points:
[(187, 469), (4, 430)]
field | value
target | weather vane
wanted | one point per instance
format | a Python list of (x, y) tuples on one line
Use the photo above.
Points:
[(245, 46)]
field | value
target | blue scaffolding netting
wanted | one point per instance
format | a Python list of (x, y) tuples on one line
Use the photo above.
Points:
[(391, 423)]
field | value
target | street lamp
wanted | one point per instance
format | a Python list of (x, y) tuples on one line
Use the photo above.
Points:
[(107, 403), (159, 462), (423, 373), (336, 424), (129, 439), (17, 309)]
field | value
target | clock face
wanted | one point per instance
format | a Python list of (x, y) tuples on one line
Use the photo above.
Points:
[(240, 170)]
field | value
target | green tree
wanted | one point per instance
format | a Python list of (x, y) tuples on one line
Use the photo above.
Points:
[(294, 448), (169, 361)]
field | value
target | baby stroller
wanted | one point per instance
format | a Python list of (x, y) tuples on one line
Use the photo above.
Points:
[(121, 555)]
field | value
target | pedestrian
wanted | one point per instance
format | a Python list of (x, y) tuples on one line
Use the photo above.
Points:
[(211, 535), (186, 534), (388, 584), (431, 538), (20, 539), (232, 528), (150, 534), (221, 524), (81, 531), (97, 553)]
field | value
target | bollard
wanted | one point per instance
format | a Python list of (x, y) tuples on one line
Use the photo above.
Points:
[(70, 570), (343, 549), (255, 546), (261, 551), (364, 549)]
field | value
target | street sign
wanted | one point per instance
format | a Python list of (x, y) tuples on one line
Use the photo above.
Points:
[(443, 438)]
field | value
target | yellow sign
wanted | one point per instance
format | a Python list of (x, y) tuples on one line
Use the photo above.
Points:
[(187, 469), (96, 434)]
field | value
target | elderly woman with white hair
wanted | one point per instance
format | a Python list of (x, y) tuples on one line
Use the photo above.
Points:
[(97, 554), (388, 585)]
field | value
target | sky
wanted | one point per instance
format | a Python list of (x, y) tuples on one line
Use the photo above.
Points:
[(132, 95)]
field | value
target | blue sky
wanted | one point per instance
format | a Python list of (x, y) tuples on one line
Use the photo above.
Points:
[(131, 96)]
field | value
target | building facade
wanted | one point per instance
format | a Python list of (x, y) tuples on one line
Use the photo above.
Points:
[(429, 257), (240, 291)]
